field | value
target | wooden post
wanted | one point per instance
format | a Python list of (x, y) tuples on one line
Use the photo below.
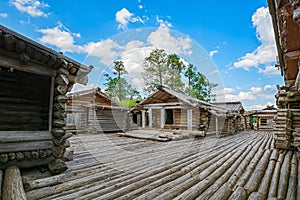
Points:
[(228, 125), (1, 178), (190, 119), (217, 125), (143, 118), (162, 118), (51, 103), (12, 184), (150, 118)]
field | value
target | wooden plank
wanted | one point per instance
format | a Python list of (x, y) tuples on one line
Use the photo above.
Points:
[(25, 146), (23, 136)]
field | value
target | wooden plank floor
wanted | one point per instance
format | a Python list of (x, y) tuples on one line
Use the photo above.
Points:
[(241, 166)]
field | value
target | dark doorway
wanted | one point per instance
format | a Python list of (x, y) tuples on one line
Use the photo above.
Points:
[(169, 116)]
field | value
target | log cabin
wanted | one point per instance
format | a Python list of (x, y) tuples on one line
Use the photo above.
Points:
[(286, 23), (167, 109), (93, 111), (232, 121), (34, 81), (265, 118)]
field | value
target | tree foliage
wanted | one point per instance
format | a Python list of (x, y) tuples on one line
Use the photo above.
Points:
[(118, 87), (168, 70)]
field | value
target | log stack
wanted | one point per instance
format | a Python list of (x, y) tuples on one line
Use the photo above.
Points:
[(287, 119)]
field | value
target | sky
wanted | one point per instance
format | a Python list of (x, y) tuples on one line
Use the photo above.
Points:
[(231, 42)]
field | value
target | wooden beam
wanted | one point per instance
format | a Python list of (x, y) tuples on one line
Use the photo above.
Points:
[(8, 62), (143, 118), (12, 184), (292, 55), (23, 136), (164, 104), (190, 119), (162, 118), (25, 146), (217, 125), (150, 115)]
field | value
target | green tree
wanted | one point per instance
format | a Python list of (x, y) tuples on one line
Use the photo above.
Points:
[(189, 73), (155, 70), (118, 87), (175, 66), (198, 85)]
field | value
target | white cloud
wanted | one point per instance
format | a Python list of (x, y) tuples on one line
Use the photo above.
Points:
[(107, 50), (266, 52), (31, 7), (230, 94), (163, 23), (141, 6), (60, 37), (4, 15), (259, 106), (212, 53), (269, 70), (162, 38), (123, 17)]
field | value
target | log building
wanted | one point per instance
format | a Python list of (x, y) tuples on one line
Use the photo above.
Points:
[(170, 110), (34, 81), (94, 112), (286, 20)]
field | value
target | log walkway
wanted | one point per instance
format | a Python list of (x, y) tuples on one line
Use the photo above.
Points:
[(241, 166)]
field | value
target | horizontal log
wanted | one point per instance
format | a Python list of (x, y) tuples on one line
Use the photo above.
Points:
[(12, 184), (25, 146), (30, 67), (25, 164), (23, 136)]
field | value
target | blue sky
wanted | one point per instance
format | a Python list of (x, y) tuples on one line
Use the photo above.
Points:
[(232, 42)]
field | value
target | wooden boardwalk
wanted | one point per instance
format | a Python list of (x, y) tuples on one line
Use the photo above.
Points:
[(241, 166)]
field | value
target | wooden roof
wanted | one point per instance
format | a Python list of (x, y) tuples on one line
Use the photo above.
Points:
[(230, 106), (167, 95), (287, 37), (94, 96), (41, 59), (241, 166)]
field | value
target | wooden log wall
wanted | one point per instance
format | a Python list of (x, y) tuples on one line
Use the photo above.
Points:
[(110, 120), (26, 139), (287, 122), (24, 101)]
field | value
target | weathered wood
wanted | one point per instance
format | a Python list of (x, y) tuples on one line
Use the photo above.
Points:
[(57, 166), (30, 67), (9, 42), (23, 136), (58, 132), (59, 123), (284, 176), (12, 184), (1, 178), (19, 156), (61, 99), (25, 146), (292, 183), (43, 182), (3, 158), (24, 58), (61, 80)]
